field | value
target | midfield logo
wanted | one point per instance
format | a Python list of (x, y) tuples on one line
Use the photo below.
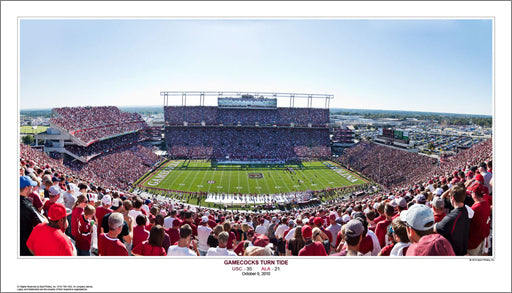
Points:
[(255, 175)]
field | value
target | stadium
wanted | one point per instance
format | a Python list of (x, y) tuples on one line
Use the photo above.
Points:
[(247, 167)]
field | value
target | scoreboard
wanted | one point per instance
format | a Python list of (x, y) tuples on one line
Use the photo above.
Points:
[(398, 134)]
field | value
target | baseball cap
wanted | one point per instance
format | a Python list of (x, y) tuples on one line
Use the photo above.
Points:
[(55, 178), (393, 203), (147, 201), (438, 202), (116, 203), (420, 198), (204, 219), (345, 218), (274, 219), (250, 232), (56, 212), (354, 228), (260, 240), (106, 200), (438, 191), (54, 190), (26, 181), (477, 188), (176, 223), (332, 216), (401, 202), (318, 221), (417, 217), (307, 232)]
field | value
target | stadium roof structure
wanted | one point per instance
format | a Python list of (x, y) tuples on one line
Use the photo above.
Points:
[(239, 94)]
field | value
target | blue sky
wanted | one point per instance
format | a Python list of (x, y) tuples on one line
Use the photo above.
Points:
[(416, 65)]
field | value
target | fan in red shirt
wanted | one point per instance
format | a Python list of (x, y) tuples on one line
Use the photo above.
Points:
[(110, 244), (54, 192), (84, 231), (152, 246), (438, 209), (380, 210), (480, 226), (48, 239), (382, 226), (78, 209), (311, 248), (173, 232), (232, 237), (102, 210), (140, 233)]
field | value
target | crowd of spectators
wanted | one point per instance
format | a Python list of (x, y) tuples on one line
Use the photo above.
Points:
[(107, 145), (90, 124), (385, 165), (247, 142), (177, 115), (436, 216)]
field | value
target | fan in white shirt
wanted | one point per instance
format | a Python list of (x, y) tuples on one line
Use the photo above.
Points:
[(221, 250)]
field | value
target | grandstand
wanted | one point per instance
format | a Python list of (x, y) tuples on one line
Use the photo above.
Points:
[(247, 127), (88, 138)]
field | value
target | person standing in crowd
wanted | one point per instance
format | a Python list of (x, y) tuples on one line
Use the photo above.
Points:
[(110, 243), (261, 229), (54, 193), (203, 231), (334, 228), (222, 249), (281, 243), (311, 248), (296, 243), (455, 226), (182, 248), (400, 237), (438, 209), (487, 176), (48, 239), (159, 220), (29, 216), (84, 233), (140, 233), (34, 196), (353, 235), (419, 220), (174, 232), (78, 209), (480, 226), (152, 246), (242, 245), (383, 225)]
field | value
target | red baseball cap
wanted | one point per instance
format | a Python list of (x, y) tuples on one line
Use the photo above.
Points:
[(176, 223), (56, 212), (260, 240), (307, 232), (318, 221), (477, 188), (479, 177)]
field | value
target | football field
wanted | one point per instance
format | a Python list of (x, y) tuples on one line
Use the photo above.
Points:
[(195, 176)]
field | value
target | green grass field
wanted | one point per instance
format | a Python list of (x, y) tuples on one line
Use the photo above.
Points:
[(199, 176), (29, 130)]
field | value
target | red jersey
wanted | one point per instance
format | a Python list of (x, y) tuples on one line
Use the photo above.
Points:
[(101, 211), (84, 234), (439, 217), (174, 235), (313, 249), (480, 226), (48, 241), (379, 219), (366, 245), (111, 246), (386, 251), (147, 249), (230, 240), (75, 215), (35, 199), (338, 239), (139, 235), (381, 231)]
